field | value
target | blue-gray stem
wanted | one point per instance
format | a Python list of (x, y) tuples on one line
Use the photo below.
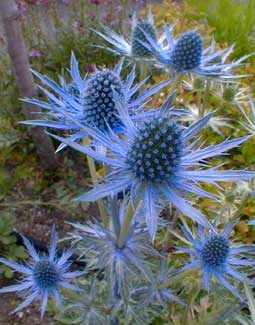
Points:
[(205, 99)]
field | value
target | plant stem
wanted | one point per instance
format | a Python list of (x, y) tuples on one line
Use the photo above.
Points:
[(143, 70), (176, 85), (205, 99), (242, 205), (126, 223), (74, 296), (115, 215), (93, 175)]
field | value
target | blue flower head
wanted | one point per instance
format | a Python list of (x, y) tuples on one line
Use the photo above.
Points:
[(187, 52), (89, 100), (158, 161), (98, 99), (150, 157), (44, 276), (187, 55), (136, 47), (216, 257)]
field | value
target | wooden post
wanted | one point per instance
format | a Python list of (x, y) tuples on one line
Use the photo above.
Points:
[(19, 59)]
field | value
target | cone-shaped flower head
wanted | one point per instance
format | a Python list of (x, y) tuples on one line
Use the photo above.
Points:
[(215, 252), (158, 161), (229, 93), (156, 150), (44, 276), (216, 256), (89, 100), (99, 105), (187, 52), (137, 49), (187, 55)]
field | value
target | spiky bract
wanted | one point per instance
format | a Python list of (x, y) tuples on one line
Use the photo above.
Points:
[(103, 252), (73, 90), (136, 47)]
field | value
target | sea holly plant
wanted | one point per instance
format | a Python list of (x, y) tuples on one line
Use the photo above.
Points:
[(157, 168)]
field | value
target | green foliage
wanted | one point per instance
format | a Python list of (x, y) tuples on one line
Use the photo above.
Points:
[(8, 246), (58, 57), (233, 21)]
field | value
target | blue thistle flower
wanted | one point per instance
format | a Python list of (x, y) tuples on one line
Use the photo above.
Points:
[(89, 100), (44, 276), (216, 257), (133, 48), (187, 55), (158, 162)]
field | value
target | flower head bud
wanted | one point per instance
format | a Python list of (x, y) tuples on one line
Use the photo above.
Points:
[(215, 252), (45, 274), (156, 150), (229, 94), (138, 34), (98, 99), (187, 52)]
